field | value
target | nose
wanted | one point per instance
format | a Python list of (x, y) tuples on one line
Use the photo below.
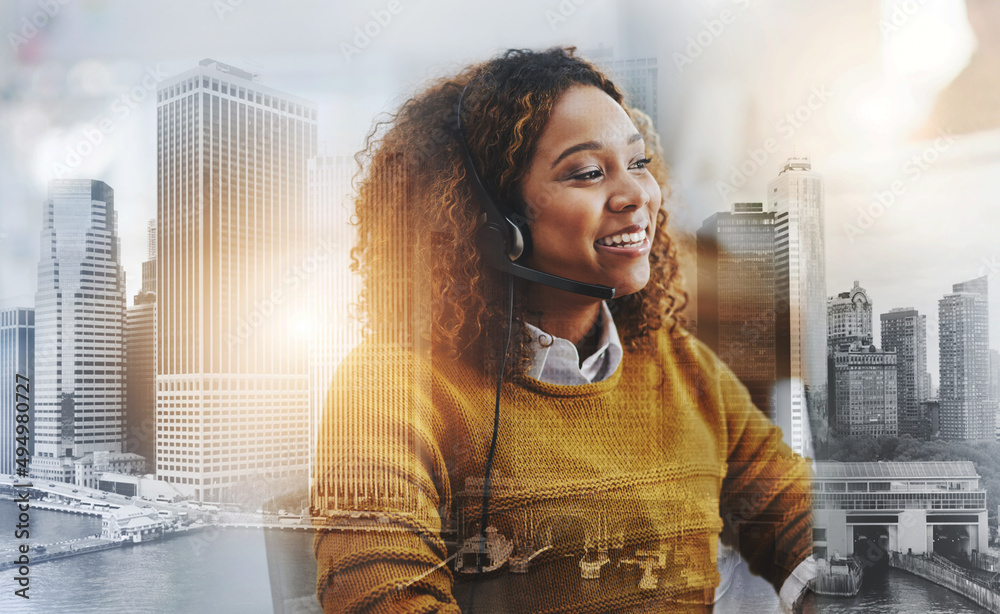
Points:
[(627, 191)]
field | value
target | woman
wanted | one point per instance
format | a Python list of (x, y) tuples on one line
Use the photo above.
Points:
[(590, 461)]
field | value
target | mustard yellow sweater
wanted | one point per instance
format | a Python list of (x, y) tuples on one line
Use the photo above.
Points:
[(605, 497)]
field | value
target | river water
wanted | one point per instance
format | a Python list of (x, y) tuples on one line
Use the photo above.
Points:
[(222, 571), (214, 571), (897, 592)]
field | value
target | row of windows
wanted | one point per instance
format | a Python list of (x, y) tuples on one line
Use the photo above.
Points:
[(242, 93), (233, 466), (239, 384)]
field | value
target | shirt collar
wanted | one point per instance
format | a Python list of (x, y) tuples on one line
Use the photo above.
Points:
[(555, 360)]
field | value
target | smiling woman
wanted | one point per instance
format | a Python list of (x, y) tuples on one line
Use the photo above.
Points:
[(457, 470)]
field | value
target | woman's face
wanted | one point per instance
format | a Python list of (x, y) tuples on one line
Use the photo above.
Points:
[(592, 203)]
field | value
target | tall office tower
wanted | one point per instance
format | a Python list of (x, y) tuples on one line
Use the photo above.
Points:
[(849, 318), (863, 395), (995, 386), (994, 374), (963, 335), (79, 329), (334, 287), (232, 399), (795, 197), (904, 331), (736, 295), (140, 360), (17, 345), (395, 300), (639, 80), (849, 328)]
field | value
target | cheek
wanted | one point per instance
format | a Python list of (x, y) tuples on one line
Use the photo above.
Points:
[(563, 225)]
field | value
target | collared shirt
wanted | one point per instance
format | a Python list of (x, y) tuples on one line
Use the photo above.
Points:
[(556, 360)]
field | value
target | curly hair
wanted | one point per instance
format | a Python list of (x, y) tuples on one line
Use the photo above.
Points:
[(424, 278)]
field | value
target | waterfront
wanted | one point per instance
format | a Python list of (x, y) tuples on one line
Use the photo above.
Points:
[(222, 571), (895, 592), (217, 571)]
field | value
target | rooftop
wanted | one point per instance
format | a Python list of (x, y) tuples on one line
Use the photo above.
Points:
[(908, 470)]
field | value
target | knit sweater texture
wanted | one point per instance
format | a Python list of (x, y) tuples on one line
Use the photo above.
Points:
[(604, 497)]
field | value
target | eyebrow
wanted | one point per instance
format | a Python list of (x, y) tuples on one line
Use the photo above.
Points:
[(591, 145)]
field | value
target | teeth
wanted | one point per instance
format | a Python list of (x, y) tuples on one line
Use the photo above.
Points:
[(624, 239)]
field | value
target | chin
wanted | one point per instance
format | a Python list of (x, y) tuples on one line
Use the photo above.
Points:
[(626, 287)]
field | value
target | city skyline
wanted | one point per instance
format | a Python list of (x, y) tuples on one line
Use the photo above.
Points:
[(908, 217), (67, 81)]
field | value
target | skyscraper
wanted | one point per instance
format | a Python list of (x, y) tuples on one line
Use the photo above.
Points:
[(334, 287), (140, 360), (17, 345), (863, 393), (905, 332), (963, 335), (795, 197), (79, 329), (849, 318), (736, 295), (639, 80), (232, 378), (861, 378), (995, 385)]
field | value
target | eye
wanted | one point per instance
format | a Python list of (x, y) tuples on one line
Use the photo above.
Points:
[(641, 163), (587, 175)]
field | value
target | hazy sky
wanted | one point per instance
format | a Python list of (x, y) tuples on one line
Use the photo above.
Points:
[(742, 83)]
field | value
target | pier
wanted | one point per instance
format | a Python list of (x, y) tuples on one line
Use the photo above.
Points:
[(84, 545)]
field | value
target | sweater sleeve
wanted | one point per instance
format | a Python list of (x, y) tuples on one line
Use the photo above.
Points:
[(380, 489), (766, 502)]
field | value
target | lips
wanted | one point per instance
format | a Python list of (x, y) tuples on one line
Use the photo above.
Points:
[(631, 236)]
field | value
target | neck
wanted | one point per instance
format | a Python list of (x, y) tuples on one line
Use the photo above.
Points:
[(564, 314)]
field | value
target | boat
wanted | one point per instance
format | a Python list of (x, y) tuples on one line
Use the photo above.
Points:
[(590, 565), (481, 554), (590, 568), (840, 577), (520, 562)]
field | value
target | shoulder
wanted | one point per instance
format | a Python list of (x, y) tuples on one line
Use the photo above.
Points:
[(681, 348), (383, 364), (692, 366)]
